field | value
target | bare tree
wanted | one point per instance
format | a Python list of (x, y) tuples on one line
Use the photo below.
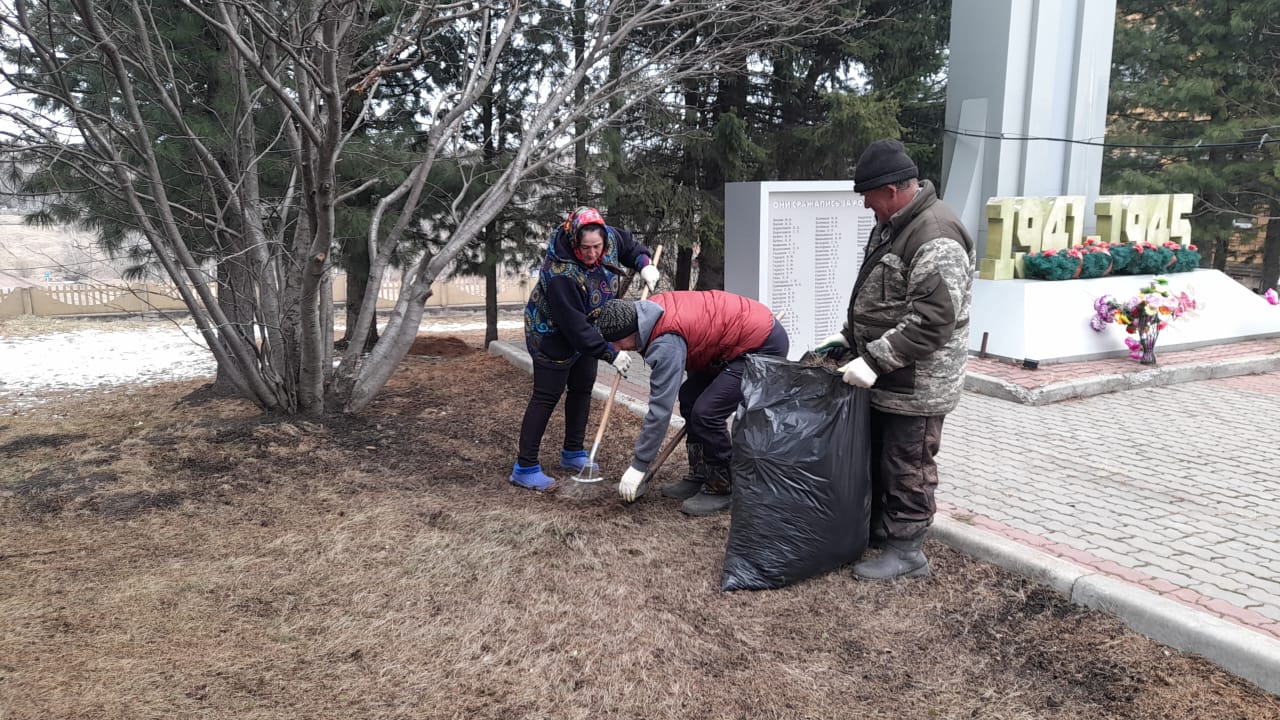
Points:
[(115, 104)]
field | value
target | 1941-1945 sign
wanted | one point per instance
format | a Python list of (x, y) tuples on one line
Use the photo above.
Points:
[(1020, 225)]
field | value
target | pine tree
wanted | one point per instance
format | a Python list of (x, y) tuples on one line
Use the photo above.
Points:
[(1193, 109), (799, 111)]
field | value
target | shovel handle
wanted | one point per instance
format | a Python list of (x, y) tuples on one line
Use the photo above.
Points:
[(666, 452)]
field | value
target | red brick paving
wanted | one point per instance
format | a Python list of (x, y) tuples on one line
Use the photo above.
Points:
[(1048, 374)]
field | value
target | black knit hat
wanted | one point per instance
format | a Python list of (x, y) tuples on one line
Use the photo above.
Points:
[(882, 163), (618, 319)]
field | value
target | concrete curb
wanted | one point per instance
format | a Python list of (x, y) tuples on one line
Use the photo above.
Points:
[(1008, 554), (1238, 650), (1102, 384), (1253, 656)]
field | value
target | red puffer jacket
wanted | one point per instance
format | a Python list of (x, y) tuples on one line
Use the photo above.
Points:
[(717, 326)]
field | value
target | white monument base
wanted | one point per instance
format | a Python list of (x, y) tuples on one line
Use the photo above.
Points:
[(1048, 320)]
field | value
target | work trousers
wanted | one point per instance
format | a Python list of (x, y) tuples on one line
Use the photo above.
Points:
[(549, 383), (708, 397), (903, 473)]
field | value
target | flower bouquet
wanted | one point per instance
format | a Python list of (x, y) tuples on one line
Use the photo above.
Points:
[(1052, 264), (1143, 315)]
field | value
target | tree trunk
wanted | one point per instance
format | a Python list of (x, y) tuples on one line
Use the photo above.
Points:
[(1271, 251), (357, 283), (684, 268), (583, 123), (492, 243), (492, 248), (326, 323), (235, 297), (1220, 247), (711, 268)]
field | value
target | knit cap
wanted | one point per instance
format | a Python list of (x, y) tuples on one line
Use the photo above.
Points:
[(882, 163), (618, 319)]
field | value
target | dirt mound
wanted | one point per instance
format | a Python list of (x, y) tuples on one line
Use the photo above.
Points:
[(447, 346)]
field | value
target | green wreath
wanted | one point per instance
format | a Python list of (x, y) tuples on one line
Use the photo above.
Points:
[(1058, 266), (1095, 264)]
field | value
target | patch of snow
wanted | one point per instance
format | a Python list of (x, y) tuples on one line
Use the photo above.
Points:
[(99, 358), (86, 359)]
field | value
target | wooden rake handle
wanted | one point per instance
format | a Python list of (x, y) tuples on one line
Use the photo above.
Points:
[(604, 419)]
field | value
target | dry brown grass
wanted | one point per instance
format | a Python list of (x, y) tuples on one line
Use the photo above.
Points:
[(164, 553)]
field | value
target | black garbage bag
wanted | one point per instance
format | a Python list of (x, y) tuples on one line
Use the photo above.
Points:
[(801, 482)]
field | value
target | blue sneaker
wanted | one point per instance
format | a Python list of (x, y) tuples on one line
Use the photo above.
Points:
[(576, 460), (531, 477)]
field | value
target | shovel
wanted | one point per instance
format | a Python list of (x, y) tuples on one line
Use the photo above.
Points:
[(590, 473), (657, 462)]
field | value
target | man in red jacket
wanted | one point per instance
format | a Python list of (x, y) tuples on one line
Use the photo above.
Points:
[(706, 334)]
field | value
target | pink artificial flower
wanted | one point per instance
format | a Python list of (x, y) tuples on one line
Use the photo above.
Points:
[(1271, 296)]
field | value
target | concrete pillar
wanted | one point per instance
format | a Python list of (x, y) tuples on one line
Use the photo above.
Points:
[(1025, 69)]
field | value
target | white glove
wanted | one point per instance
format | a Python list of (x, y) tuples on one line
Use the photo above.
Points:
[(649, 274), (622, 362), (832, 342), (858, 373), (629, 486)]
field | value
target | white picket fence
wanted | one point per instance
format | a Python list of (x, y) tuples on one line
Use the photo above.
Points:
[(101, 298)]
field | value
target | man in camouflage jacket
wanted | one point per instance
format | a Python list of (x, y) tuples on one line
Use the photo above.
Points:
[(908, 325)]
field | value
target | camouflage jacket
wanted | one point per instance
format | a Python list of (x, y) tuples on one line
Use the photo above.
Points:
[(909, 311)]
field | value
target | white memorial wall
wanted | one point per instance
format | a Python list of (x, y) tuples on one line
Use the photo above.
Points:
[(796, 247)]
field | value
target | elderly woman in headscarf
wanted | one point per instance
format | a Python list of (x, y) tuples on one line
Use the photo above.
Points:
[(580, 273)]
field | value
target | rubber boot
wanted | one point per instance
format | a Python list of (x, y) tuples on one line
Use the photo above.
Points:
[(901, 558), (715, 495), (531, 477), (690, 484), (575, 460)]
